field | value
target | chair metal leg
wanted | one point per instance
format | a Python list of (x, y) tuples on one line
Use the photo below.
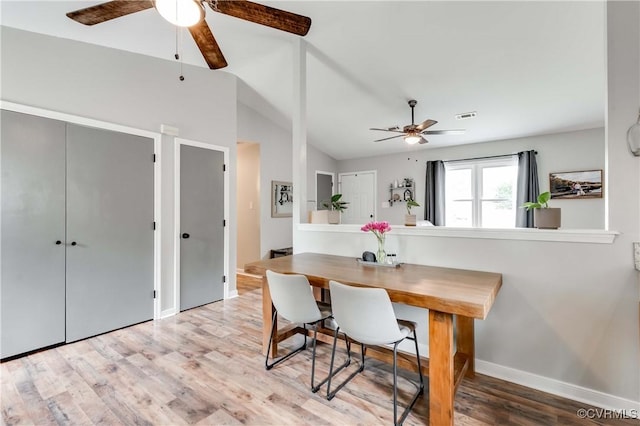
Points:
[(331, 394), (420, 386), (313, 356), (315, 388), (333, 357), (395, 383), (415, 340), (287, 356)]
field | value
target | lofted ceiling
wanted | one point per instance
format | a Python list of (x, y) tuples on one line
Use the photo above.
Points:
[(526, 67)]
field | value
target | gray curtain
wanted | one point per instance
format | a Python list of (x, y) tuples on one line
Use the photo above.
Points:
[(434, 193), (528, 187)]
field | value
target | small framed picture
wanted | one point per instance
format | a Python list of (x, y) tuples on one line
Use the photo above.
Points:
[(281, 199), (575, 185)]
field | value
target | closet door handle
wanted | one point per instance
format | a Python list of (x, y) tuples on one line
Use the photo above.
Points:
[(58, 242), (185, 235), (73, 243)]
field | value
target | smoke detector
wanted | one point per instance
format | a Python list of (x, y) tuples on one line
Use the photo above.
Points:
[(466, 115)]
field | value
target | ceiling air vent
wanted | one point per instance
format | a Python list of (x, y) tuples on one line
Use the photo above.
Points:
[(466, 115)]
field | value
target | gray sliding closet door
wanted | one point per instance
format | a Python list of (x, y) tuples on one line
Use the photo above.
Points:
[(201, 226), (109, 231), (33, 204)]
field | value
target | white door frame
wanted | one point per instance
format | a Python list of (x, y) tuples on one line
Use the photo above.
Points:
[(315, 184), (157, 190), (375, 187), (178, 142)]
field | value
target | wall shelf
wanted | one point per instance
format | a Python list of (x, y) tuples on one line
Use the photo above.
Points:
[(401, 191)]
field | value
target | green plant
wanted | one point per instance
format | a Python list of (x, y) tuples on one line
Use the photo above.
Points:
[(542, 203), (411, 203), (335, 203)]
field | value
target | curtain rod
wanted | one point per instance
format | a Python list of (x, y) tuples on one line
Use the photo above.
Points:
[(483, 158)]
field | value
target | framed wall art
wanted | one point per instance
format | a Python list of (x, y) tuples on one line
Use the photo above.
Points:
[(581, 184), (281, 199)]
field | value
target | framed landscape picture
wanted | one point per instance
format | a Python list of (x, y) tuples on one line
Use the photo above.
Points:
[(582, 184)]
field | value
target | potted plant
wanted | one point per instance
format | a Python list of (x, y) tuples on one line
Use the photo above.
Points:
[(335, 206), (410, 219), (544, 217)]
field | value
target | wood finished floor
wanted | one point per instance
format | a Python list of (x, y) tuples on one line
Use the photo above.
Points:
[(204, 366)]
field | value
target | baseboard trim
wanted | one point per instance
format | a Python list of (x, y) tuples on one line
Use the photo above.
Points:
[(232, 294), (167, 313), (556, 387)]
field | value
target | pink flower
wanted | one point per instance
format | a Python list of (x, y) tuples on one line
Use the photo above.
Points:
[(378, 228)]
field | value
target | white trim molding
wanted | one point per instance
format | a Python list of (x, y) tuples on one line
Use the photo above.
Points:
[(167, 313), (592, 236), (556, 387)]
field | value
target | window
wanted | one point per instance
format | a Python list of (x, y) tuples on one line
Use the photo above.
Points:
[(481, 193)]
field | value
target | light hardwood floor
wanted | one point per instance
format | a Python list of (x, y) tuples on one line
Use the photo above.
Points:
[(204, 366)]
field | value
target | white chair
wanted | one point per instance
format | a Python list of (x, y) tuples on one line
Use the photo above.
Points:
[(366, 316), (293, 300)]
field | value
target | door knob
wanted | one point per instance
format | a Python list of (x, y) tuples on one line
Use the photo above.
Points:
[(58, 242), (185, 235), (73, 243)]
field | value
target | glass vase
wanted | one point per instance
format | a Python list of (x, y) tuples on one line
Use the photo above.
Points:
[(381, 255)]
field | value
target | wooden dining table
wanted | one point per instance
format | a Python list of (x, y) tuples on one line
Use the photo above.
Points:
[(454, 298)]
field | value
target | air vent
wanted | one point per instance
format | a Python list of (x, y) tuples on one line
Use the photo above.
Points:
[(466, 115)]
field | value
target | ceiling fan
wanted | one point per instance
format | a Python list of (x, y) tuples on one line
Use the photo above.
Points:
[(413, 133), (190, 13)]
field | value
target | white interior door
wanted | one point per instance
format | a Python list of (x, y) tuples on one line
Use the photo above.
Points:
[(358, 189)]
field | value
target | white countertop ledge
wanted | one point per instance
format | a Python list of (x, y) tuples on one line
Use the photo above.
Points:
[(588, 236)]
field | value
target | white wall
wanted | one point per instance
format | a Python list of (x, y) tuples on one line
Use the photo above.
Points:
[(560, 152), (566, 319), (248, 199), (131, 90), (275, 164)]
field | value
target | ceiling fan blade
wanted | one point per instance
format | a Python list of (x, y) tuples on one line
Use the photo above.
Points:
[(425, 125), (388, 130), (109, 10), (443, 132), (264, 15), (423, 141), (386, 139), (208, 45)]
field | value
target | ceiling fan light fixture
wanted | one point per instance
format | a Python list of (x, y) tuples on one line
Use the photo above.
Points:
[(412, 138), (182, 13)]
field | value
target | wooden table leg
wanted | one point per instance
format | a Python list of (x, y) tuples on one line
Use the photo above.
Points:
[(267, 318), (465, 342), (441, 380)]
